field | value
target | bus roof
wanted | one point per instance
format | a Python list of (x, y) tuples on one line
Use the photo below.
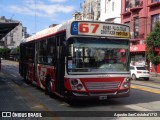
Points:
[(48, 31), (85, 28)]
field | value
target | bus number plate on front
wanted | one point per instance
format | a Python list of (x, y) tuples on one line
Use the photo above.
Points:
[(102, 97)]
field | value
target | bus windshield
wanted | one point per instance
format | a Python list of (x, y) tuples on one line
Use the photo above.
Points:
[(97, 55)]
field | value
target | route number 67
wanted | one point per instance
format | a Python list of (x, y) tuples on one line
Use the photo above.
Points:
[(88, 28)]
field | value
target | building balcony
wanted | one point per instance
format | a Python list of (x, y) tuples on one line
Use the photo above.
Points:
[(141, 35), (126, 12), (136, 36), (137, 6), (154, 3)]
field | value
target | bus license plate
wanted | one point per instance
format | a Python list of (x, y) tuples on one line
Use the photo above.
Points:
[(102, 97)]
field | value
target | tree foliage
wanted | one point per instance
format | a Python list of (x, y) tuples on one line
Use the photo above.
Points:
[(4, 52), (153, 45), (15, 50)]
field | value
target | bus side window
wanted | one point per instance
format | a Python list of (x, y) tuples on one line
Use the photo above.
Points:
[(46, 51), (42, 51), (50, 51), (29, 55)]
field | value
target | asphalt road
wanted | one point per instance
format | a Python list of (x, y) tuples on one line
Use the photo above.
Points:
[(17, 95)]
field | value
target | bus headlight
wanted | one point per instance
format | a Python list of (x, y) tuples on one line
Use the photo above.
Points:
[(76, 84), (79, 86), (126, 83), (127, 79)]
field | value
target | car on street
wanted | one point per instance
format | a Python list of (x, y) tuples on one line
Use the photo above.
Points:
[(138, 72)]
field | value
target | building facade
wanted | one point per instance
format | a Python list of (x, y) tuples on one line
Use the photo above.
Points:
[(13, 38), (91, 9), (77, 16), (140, 15), (110, 11)]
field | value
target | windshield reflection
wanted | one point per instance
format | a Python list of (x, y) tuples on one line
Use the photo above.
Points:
[(97, 55)]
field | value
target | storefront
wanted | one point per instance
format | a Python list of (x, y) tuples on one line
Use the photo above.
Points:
[(138, 55)]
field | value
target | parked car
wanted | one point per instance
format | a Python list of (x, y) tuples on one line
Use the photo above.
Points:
[(138, 72)]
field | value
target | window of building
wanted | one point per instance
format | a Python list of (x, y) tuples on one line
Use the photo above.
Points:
[(136, 27), (154, 19), (112, 6), (137, 2), (105, 5), (126, 5)]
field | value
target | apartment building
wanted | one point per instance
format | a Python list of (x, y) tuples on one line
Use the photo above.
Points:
[(13, 38), (91, 9), (110, 11), (140, 15)]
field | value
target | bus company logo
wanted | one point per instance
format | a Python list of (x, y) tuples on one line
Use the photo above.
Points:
[(6, 114), (20, 114)]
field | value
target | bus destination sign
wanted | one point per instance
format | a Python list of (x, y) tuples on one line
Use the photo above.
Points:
[(99, 29)]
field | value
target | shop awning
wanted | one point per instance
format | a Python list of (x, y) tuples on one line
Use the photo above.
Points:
[(138, 48), (5, 28)]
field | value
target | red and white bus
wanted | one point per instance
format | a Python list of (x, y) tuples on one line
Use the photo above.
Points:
[(79, 59)]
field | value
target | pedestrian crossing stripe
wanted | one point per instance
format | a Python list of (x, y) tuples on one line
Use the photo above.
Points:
[(157, 91)]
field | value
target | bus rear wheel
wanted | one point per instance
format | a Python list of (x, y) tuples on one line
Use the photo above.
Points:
[(48, 89)]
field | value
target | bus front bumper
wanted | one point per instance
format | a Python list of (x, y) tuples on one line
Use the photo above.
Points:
[(99, 95)]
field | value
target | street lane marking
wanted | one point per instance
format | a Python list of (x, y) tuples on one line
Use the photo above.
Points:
[(145, 89), (154, 87), (148, 82)]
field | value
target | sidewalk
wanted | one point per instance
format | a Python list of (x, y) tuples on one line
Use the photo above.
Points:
[(154, 77)]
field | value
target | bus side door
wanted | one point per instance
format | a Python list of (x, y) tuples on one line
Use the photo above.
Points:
[(59, 63)]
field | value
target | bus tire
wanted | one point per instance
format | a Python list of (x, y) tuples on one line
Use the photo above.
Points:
[(48, 89), (26, 79), (146, 79)]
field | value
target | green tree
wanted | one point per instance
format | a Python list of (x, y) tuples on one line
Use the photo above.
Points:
[(153, 46), (4, 52), (15, 50), (15, 53)]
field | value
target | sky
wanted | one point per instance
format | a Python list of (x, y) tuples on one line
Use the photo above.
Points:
[(37, 15)]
